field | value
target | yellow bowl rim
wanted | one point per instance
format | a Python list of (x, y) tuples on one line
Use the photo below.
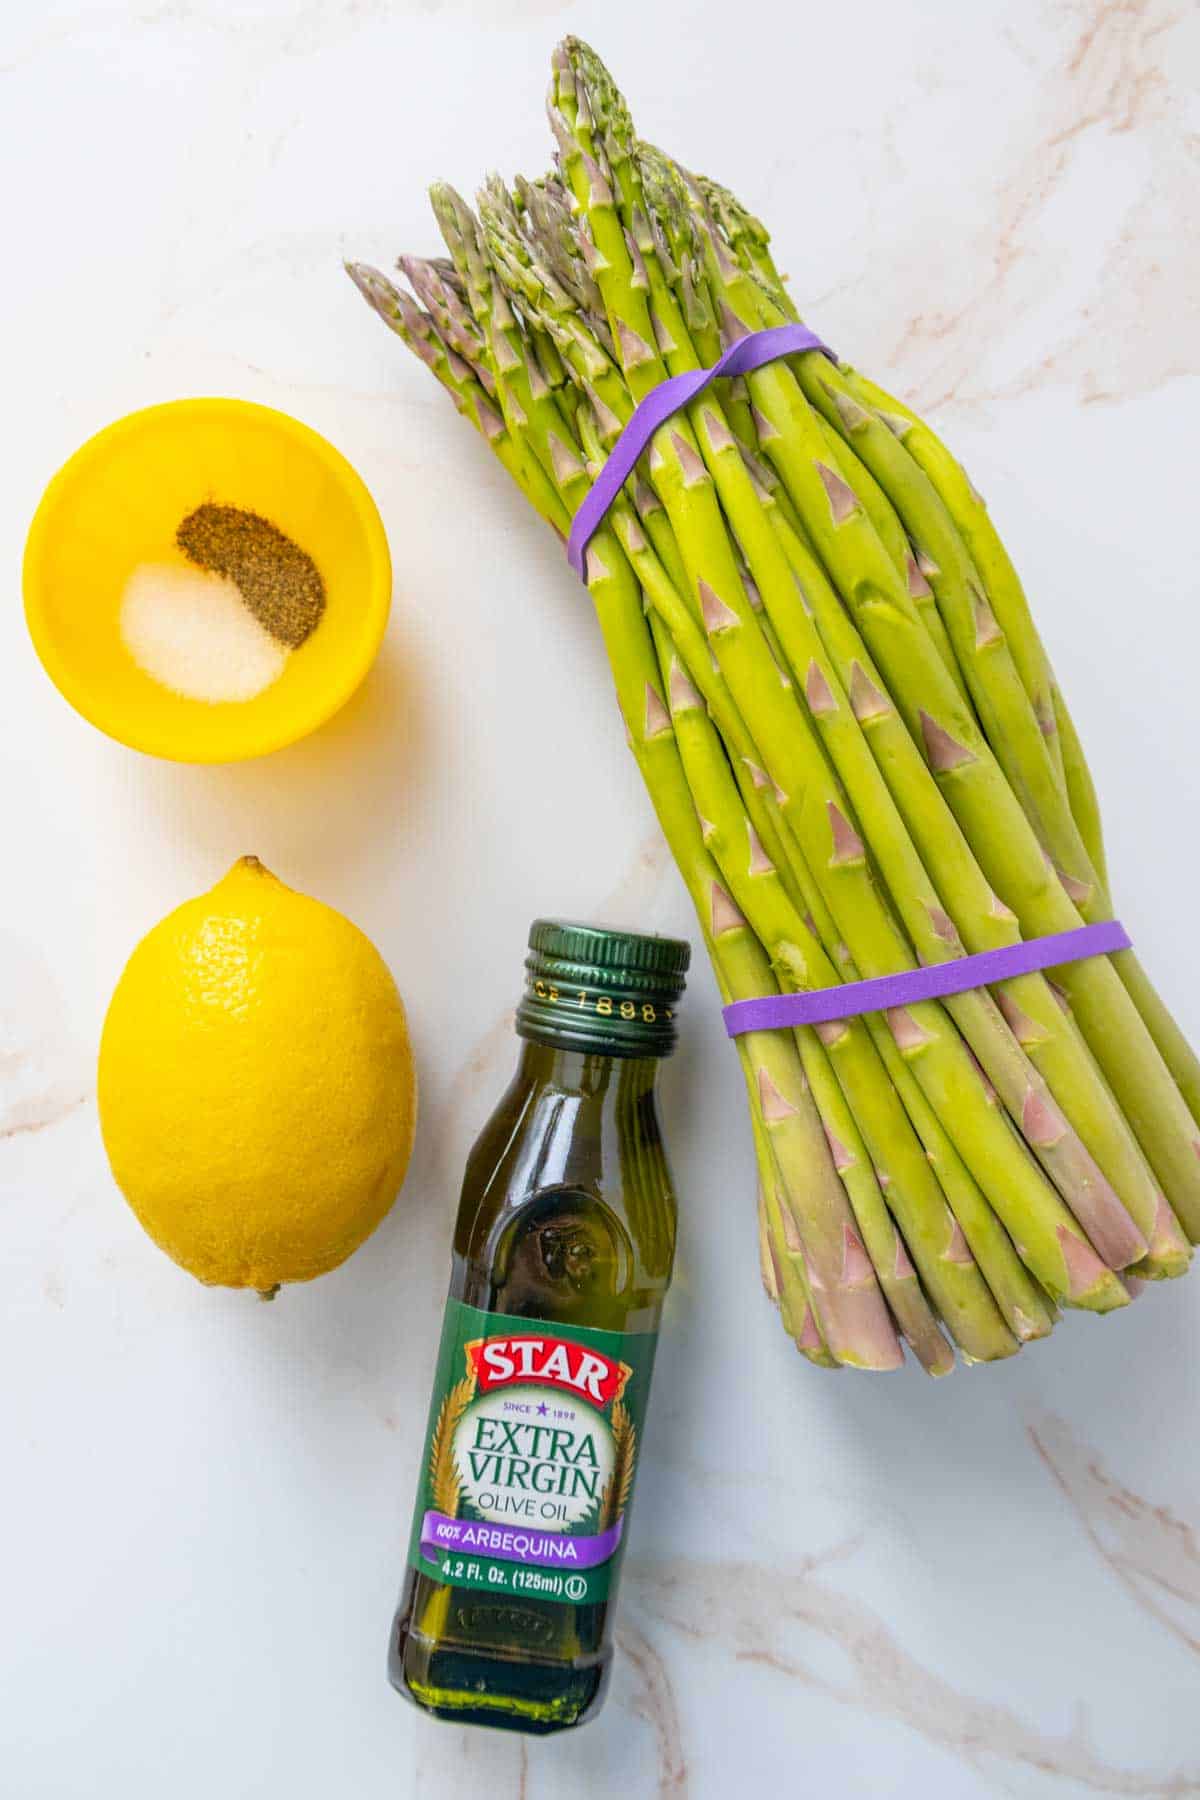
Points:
[(376, 605)]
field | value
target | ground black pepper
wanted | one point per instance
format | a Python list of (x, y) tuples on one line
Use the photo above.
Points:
[(279, 581)]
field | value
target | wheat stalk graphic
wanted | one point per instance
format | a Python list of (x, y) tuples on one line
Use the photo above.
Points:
[(615, 1497), (444, 1480)]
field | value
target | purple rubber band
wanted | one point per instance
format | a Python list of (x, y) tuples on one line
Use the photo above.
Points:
[(668, 397), (775, 1012)]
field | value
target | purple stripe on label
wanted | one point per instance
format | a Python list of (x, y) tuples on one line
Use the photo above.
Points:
[(677, 391), (775, 1012), (516, 1543)]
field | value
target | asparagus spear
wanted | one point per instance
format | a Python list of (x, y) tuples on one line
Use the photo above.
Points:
[(992, 818), (781, 1251), (849, 1308), (1053, 1045), (1006, 601), (805, 964), (1027, 1001), (908, 1301), (766, 1261), (419, 333), (844, 1294), (569, 304), (797, 766), (928, 1226)]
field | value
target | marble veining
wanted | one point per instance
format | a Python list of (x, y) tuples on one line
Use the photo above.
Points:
[(1110, 116), (1151, 1551), (773, 1618), (42, 1069)]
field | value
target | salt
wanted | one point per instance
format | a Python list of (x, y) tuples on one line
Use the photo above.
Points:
[(194, 633)]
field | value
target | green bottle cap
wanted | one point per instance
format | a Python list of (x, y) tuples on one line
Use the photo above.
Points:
[(613, 993)]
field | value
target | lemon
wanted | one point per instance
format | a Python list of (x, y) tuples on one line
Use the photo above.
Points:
[(256, 1086)]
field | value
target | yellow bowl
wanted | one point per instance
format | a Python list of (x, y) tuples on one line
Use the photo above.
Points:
[(117, 503)]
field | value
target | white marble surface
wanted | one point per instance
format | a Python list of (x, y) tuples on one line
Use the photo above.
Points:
[(842, 1586)]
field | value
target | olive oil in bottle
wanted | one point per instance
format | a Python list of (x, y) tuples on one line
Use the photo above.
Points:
[(563, 1249)]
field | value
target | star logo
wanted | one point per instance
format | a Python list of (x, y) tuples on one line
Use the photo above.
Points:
[(543, 1409)]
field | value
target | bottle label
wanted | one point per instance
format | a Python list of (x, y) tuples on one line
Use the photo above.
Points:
[(530, 1455)]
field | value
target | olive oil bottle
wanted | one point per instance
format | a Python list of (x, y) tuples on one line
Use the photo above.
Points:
[(563, 1249)]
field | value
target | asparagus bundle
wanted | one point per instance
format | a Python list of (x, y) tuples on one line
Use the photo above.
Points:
[(855, 745)]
